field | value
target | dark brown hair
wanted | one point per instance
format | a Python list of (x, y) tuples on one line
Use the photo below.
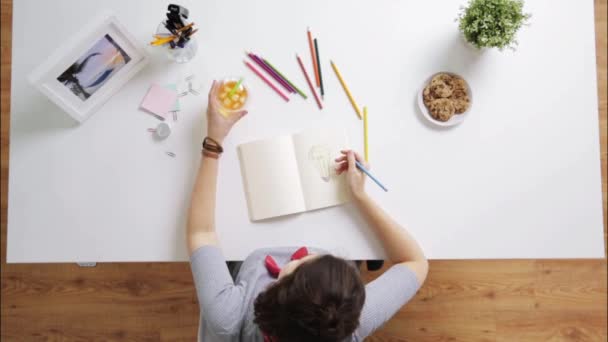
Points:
[(320, 301)]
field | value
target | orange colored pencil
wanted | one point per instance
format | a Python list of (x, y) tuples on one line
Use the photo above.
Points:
[(313, 57)]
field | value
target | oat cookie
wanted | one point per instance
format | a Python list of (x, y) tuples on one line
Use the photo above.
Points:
[(461, 100), (427, 96), (442, 109), (442, 78), (461, 105), (441, 90), (458, 94), (459, 84)]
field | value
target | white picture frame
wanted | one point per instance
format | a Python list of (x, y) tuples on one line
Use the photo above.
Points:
[(114, 58)]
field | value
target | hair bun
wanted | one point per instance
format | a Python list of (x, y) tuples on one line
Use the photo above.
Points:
[(331, 317), (331, 314), (321, 301)]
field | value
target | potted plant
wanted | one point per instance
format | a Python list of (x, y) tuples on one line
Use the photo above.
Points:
[(492, 23)]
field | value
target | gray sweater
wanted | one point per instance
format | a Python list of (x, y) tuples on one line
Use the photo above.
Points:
[(227, 305)]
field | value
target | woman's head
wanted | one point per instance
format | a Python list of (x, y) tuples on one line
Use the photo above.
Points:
[(320, 299)]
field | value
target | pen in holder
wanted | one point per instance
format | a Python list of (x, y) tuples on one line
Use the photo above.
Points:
[(175, 34), (177, 54)]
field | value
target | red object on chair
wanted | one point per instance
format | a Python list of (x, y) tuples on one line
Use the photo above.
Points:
[(274, 269), (272, 266), (299, 254)]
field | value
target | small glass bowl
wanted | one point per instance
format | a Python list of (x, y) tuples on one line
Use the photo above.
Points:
[(178, 55)]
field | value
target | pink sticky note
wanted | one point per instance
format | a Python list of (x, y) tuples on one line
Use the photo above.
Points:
[(159, 100)]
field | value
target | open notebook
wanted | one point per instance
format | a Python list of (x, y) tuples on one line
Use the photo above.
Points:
[(292, 174)]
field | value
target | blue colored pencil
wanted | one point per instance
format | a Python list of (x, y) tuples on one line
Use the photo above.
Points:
[(362, 168)]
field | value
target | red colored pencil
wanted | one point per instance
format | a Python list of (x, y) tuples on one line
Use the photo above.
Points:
[(267, 81), (312, 87), (313, 57)]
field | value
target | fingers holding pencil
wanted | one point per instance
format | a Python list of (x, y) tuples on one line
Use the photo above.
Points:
[(343, 161), (356, 180), (347, 164)]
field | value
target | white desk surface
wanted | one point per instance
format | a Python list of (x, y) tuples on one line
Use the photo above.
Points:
[(520, 178)]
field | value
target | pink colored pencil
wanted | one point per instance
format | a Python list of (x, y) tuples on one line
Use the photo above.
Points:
[(312, 88), (271, 72), (267, 81)]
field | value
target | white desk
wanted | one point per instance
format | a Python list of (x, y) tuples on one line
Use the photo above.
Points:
[(520, 178)]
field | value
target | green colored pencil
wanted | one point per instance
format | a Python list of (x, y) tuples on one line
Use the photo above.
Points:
[(319, 69), (285, 78)]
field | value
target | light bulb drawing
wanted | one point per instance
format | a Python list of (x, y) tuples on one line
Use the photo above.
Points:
[(320, 156)]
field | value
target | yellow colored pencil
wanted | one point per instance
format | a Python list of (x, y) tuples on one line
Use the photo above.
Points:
[(162, 41), (365, 142), (350, 96)]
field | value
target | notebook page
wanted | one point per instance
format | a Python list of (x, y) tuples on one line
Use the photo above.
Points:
[(270, 178), (315, 154)]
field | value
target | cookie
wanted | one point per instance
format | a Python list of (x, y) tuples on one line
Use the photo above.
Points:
[(442, 78), (442, 109), (458, 94), (441, 90), (427, 96), (461, 105), (461, 100), (459, 84)]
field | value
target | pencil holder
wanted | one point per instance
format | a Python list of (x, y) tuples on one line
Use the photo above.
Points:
[(177, 54)]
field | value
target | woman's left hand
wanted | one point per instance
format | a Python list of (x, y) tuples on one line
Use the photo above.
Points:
[(218, 125)]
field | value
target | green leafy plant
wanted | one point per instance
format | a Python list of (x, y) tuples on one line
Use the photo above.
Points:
[(492, 23)]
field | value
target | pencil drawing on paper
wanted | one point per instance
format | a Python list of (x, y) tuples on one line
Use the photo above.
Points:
[(320, 157)]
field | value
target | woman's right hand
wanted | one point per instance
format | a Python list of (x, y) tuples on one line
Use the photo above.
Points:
[(355, 178)]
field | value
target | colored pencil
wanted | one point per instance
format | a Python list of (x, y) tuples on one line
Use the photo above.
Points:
[(313, 57), (285, 78), (162, 41), (319, 68), (192, 33), (267, 81), (185, 27), (362, 168), (276, 77), (350, 96), (312, 87), (365, 143)]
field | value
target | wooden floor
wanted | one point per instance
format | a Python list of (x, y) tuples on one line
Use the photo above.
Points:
[(527, 300)]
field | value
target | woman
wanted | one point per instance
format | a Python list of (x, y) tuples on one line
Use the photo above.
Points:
[(291, 294)]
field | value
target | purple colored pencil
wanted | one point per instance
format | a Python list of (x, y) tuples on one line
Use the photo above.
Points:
[(271, 72)]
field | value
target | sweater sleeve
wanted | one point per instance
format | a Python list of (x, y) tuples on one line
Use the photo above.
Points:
[(220, 300)]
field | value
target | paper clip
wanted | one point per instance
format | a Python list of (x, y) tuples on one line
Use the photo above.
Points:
[(174, 115), (194, 87), (170, 154), (151, 130), (183, 94)]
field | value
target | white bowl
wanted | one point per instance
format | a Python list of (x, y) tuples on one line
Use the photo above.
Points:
[(456, 118)]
